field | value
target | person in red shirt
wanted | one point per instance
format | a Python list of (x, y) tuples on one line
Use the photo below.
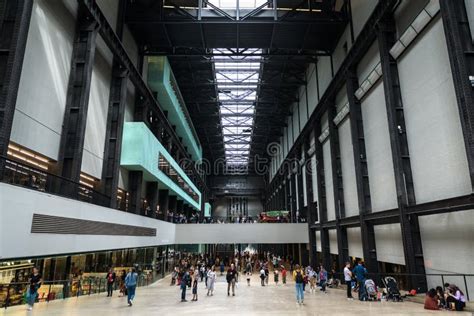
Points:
[(431, 300), (283, 274)]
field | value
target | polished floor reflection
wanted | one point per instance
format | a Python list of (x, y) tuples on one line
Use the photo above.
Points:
[(163, 299)]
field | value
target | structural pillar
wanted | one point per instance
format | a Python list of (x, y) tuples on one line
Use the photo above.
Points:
[(15, 16), (152, 196), (163, 201), (135, 180), (77, 101)]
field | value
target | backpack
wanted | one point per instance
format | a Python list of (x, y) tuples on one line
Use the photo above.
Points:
[(299, 277)]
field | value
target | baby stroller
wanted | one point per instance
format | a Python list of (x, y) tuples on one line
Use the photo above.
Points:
[(371, 289), (392, 289)]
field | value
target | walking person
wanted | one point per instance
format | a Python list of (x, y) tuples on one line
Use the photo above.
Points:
[(35, 281), (323, 278), (110, 282), (298, 277), (262, 276), (131, 285), (211, 279), (348, 280), (275, 276), (184, 284), (195, 290), (360, 272), (283, 274), (267, 273), (231, 279)]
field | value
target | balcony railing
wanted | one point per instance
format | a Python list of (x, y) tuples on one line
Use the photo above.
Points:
[(20, 174)]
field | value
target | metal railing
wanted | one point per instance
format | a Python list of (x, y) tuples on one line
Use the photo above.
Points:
[(14, 293), (463, 281), (20, 174)]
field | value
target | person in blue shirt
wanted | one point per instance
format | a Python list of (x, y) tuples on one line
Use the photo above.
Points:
[(184, 283), (131, 284), (360, 272)]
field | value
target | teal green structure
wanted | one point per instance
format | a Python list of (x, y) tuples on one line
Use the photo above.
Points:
[(141, 151), (162, 81)]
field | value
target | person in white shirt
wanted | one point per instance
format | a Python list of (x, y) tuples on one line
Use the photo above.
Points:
[(348, 280), (211, 279)]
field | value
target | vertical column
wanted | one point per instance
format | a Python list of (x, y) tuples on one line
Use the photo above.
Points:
[(152, 197), (115, 120), (113, 134), (77, 102), (163, 200), (461, 57), (172, 202), (15, 16), (338, 189), (361, 172), (299, 183), (400, 155), (135, 180), (307, 171), (322, 206)]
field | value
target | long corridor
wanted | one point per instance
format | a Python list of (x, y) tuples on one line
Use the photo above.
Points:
[(163, 299)]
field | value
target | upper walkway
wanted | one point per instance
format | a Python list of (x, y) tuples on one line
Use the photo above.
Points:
[(163, 299), (43, 224)]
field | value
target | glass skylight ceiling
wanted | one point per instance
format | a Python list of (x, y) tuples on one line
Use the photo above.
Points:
[(237, 78), (232, 4)]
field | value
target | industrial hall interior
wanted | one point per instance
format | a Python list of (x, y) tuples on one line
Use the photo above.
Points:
[(236, 157)]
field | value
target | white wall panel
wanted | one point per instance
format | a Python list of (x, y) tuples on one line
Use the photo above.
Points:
[(296, 123), (368, 62), (351, 203), (343, 46), (17, 202), (41, 101), (361, 10), (97, 117), (389, 244), (406, 13), (379, 157), (304, 109), (313, 97), (110, 10), (333, 247), (435, 140), (470, 16), (324, 73), (331, 207), (448, 245), (318, 241), (354, 239), (314, 178)]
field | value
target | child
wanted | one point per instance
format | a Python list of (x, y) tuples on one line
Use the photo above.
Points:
[(275, 276), (305, 281), (195, 290), (248, 277), (283, 275)]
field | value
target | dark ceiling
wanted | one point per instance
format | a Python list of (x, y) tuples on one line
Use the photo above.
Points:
[(290, 38)]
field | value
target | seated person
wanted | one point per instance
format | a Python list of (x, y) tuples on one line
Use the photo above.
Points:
[(441, 298), (455, 296), (431, 300)]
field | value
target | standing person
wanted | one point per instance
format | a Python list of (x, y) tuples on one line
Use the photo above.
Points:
[(283, 274), (249, 274), (202, 270), (231, 279), (298, 277), (110, 282), (122, 283), (348, 280), (323, 278), (360, 272), (262, 276), (35, 281), (184, 285), (131, 284), (312, 280), (267, 273), (195, 290), (222, 267), (275, 276), (211, 279)]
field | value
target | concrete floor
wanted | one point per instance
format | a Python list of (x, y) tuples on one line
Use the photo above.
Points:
[(162, 299)]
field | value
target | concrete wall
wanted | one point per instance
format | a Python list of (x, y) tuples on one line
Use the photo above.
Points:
[(18, 206), (41, 101), (435, 140), (241, 233)]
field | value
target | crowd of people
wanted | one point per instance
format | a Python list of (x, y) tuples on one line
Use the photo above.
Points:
[(195, 269)]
